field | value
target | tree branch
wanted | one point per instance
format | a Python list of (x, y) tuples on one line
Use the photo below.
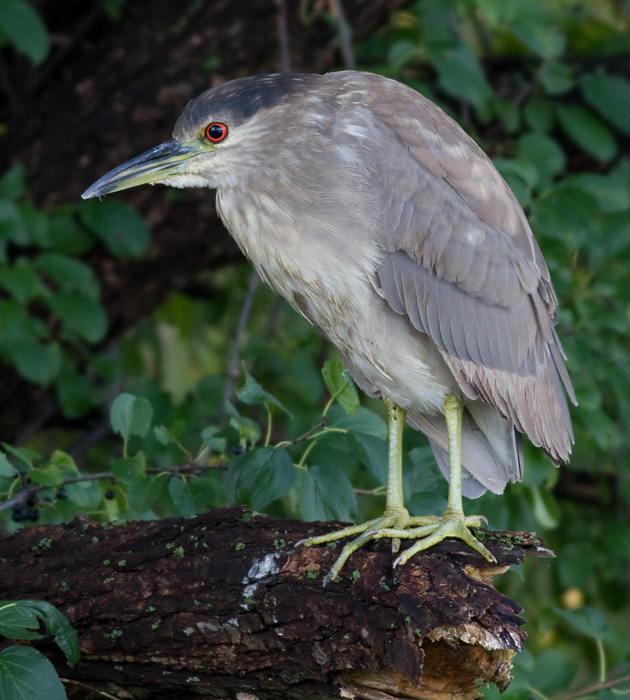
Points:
[(222, 603)]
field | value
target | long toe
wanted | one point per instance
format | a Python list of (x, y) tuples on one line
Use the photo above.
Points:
[(366, 531), (449, 526)]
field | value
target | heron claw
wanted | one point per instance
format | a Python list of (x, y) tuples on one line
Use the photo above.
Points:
[(328, 578)]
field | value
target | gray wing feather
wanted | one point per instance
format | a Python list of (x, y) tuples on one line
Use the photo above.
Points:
[(465, 325), (459, 259)]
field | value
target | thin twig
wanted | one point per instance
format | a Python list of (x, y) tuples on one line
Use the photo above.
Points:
[(595, 688), (90, 687), (45, 410), (45, 75), (344, 34), (6, 86), (95, 435), (233, 365), (308, 433), (34, 489), (283, 36), (195, 466)]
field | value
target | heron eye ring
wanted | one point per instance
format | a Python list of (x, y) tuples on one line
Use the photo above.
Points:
[(216, 132)]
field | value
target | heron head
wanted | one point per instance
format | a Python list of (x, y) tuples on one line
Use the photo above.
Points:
[(221, 136)]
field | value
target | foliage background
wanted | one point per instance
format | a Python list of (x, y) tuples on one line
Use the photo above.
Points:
[(544, 87)]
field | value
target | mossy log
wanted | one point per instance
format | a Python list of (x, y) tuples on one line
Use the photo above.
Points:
[(224, 606)]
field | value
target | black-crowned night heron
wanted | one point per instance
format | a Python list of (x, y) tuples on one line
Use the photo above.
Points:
[(388, 228)]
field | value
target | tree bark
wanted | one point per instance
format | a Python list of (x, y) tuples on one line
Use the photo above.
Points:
[(223, 606)]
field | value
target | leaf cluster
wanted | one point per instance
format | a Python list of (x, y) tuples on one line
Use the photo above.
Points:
[(24, 671), (51, 315)]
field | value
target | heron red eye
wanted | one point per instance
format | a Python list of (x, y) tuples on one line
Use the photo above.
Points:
[(216, 132)]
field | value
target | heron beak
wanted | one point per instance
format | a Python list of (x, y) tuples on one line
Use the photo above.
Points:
[(160, 163)]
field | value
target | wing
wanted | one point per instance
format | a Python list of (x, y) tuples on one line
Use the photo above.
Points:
[(459, 259)]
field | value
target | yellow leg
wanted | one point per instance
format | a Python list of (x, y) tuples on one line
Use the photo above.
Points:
[(395, 515), (396, 523), (453, 523)]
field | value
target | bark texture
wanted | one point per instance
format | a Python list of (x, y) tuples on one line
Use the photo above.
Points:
[(223, 606)]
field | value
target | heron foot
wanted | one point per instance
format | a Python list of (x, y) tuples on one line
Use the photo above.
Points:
[(398, 526), (395, 521), (431, 533)]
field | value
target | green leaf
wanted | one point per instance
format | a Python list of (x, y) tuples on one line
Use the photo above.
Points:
[(130, 469), (461, 74), (259, 477), (6, 468), (11, 225), (372, 452), (252, 393), (118, 225), (179, 491), (21, 281), (585, 620), (305, 376), (131, 415), (525, 170), (537, 28), (68, 274), (545, 507), (79, 314), (539, 115), (553, 671), (24, 454), (543, 152), (84, 494), (587, 131), (222, 440), (566, 213), (23, 26), (24, 672), (18, 623), (602, 429), (35, 361), (610, 96), (327, 494), (556, 78), (612, 193), (181, 311), (13, 182), (207, 491), (66, 234), (163, 435), (47, 476), (64, 460), (15, 324), (248, 430), (35, 223), (340, 385), (496, 12), (401, 53), (144, 494), (77, 392), (363, 421), (57, 625), (520, 176), (18, 618)]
